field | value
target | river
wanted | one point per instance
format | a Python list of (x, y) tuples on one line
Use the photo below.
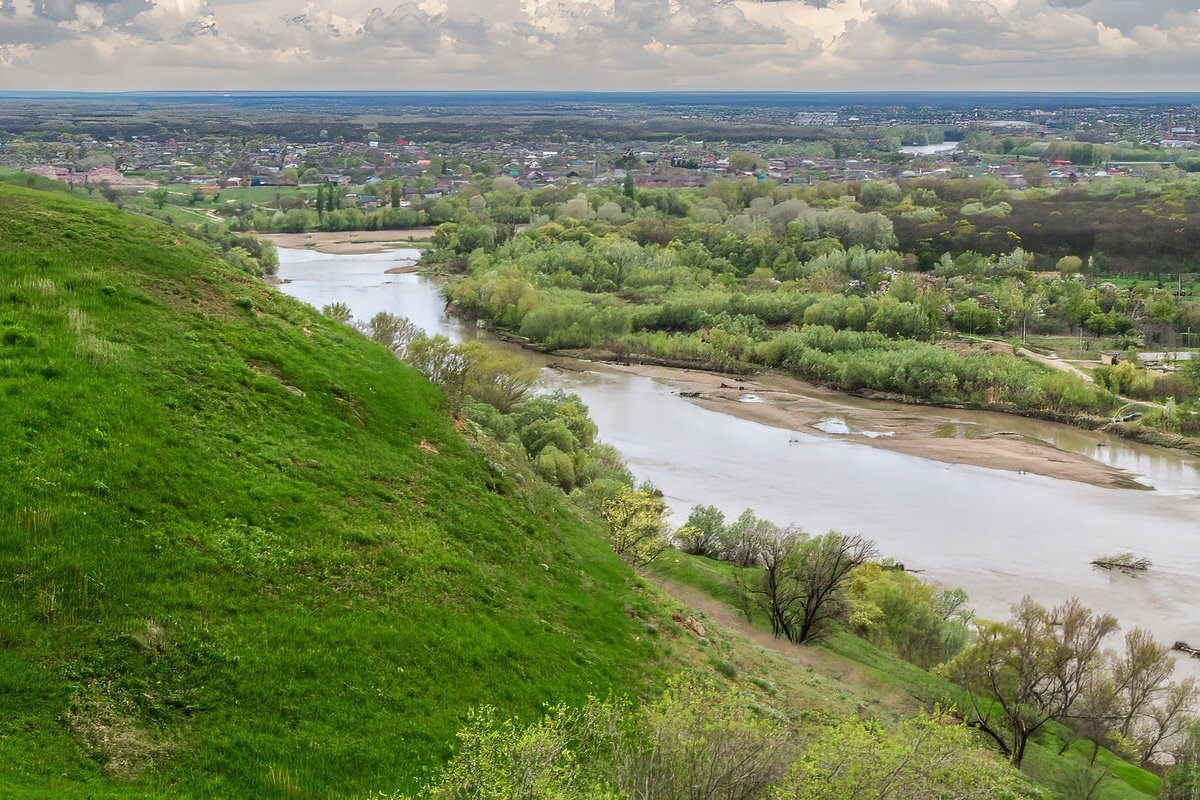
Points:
[(997, 534)]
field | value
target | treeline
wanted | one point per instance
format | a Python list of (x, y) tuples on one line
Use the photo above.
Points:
[(1137, 227), (298, 220), (551, 433), (571, 288)]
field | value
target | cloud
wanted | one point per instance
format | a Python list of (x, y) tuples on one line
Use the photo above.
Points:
[(599, 44)]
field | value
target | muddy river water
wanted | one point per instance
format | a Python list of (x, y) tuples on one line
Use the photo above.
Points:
[(998, 534)]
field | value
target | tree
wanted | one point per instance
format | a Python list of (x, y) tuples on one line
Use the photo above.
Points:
[(159, 197), (1069, 266), (320, 202), (894, 609), (1183, 781), (499, 378), (743, 161), (821, 568), (701, 534), (393, 332), (338, 312), (637, 531), (396, 196), (697, 742), (1035, 175), (774, 590), (627, 185), (740, 540), (801, 581), (1023, 673)]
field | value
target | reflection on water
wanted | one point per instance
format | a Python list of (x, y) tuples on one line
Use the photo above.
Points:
[(959, 430), (999, 535), (846, 426)]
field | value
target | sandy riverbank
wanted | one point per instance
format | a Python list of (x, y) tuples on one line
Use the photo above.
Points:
[(349, 242), (794, 405)]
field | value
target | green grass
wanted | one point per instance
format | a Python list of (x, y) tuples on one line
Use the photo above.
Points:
[(265, 195), (246, 547), (716, 578), (171, 211)]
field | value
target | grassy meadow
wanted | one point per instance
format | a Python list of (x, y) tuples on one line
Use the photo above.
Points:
[(246, 553)]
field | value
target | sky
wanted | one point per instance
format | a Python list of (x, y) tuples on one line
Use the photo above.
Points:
[(801, 45)]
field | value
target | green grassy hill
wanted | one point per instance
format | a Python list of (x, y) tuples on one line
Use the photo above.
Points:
[(243, 551)]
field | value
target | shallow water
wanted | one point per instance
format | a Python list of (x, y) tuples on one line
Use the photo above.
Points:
[(997, 534)]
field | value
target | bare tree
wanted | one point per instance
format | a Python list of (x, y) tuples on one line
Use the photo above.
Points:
[(741, 539), (821, 568), (772, 590), (1139, 676), (802, 581), (1032, 669), (393, 332), (1167, 719)]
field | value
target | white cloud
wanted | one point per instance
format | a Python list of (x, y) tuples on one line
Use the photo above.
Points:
[(598, 44)]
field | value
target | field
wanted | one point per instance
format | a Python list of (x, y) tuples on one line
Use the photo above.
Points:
[(266, 195)]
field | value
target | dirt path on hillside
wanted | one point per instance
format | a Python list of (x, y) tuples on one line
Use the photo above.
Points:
[(822, 661), (1055, 363)]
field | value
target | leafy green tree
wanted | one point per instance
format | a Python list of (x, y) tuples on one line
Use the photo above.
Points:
[(701, 534), (697, 742), (636, 524), (741, 539), (1036, 175), (338, 312), (159, 197), (894, 609), (743, 161), (500, 378), (1069, 266)]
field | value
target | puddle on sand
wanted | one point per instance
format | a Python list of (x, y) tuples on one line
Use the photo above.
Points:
[(959, 430), (844, 426), (750, 398)]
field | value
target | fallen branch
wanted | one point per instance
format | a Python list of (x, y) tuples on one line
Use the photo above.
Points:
[(1184, 647), (1125, 562)]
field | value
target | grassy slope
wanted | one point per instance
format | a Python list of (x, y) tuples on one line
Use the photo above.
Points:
[(243, 550)]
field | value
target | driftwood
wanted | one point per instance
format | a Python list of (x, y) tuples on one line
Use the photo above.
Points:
[(725, 385), (1184, 647), (1125, 562), (689, 394), (898, 566)]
